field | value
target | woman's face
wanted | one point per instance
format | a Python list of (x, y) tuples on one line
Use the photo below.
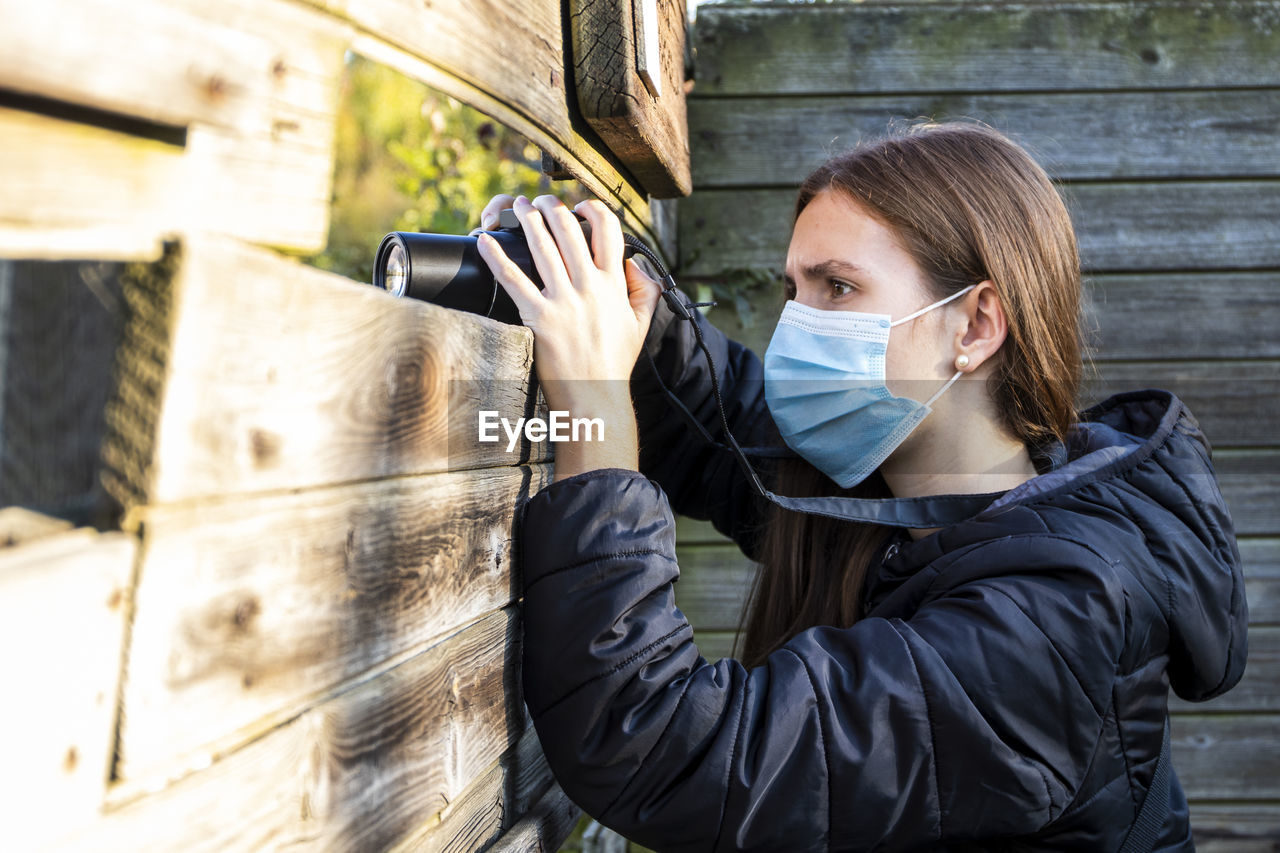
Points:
[(842, 259)]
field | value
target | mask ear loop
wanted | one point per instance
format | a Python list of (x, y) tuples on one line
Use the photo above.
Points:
[(926, 309), (928, 404)]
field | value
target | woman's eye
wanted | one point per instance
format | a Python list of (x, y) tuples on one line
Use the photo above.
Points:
[(841, 288)]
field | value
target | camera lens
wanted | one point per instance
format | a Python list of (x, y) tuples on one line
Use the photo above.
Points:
[(396, 275)]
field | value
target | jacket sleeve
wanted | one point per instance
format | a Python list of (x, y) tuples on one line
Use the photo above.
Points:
[(702, 480), (966, 721)]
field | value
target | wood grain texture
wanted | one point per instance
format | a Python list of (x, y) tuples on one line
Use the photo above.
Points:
[(1097, 135), (779, 48), (1250, 482), (255, 94), (1211, 315), (544, 828), (376, 762), (1121, 227), (1236, 827), (648, 134), (73, 190), (1226, 756), (63, 606), (249, 610), (245, 372), (1261, 558)]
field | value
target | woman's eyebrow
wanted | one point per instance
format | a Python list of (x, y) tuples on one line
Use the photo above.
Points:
[(832, 267)]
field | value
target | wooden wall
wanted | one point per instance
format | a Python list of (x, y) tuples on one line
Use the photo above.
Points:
[(1161, 121), (294, 622)]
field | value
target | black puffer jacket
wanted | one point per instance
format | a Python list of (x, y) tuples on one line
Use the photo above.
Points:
[(1006, 691)]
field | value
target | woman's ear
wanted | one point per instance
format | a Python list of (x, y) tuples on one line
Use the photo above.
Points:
[(982, 327)]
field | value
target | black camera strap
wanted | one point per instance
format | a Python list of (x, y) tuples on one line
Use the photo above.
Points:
[(921, 513)]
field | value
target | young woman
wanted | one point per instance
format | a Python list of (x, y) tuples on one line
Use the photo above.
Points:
[(995, 683)]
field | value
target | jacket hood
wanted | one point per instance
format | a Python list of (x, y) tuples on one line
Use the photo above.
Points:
[(1146, 451)]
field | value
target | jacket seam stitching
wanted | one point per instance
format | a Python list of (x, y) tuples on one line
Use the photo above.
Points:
[(599, 558), (822, 728), (733, 759), (616, 668), (928, 716)]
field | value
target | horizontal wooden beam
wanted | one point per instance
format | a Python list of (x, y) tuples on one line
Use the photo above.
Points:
[(545, 827), (243, 372), (781, 48), (381, 760), (1261, 557), (64, 602), (1217, 315), (1097, 135), (1240, 827), (1226, 756), (250, 610), (250, 104), (1173, 226)]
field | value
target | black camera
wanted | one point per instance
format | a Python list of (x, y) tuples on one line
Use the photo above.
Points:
[(447, 269)]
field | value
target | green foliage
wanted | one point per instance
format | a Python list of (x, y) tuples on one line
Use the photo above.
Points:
[(410, 158)]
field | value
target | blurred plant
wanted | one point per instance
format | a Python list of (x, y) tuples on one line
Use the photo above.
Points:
[(410, 158)]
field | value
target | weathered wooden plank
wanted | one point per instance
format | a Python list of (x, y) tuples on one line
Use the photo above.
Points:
[(248, 610), (1256, 691), (865, 48), (1236, 827), (506, 59), (255, 93), (490, 806), (714, 583), (73, 190), (1121, 227), (1185, 316), (63, 605), (544, 828), (1226, 756), (1117, 135), (1250, 482), (66, 320), (372, 764), (245, 372), (1261, 558), (1236, 402), (642, 120), (19, 526)]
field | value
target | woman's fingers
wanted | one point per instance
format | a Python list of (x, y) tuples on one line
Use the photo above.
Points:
[(523, 292), (542, 247), (489, 216), (567, 231), (606, 234)]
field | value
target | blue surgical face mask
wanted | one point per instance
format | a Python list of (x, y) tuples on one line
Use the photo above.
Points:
[(824, 382)]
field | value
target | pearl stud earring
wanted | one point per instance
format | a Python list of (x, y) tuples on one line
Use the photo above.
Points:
[(962, 361)]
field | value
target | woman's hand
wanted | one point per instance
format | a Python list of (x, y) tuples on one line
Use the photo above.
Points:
[(589, 321)]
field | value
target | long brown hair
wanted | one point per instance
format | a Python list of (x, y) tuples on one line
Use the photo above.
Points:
[(968, 204)]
